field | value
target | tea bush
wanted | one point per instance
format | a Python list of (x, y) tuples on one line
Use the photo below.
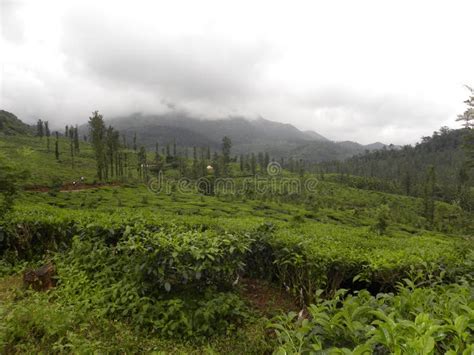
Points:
[(171, 270), (416, 320), (177, 283), (304, 257), (309, 259)]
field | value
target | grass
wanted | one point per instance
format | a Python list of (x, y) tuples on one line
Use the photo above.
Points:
[(31, 153)]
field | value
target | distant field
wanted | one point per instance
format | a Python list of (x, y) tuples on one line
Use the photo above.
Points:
[(31, 153)]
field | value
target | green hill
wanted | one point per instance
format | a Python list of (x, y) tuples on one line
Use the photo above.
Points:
[(11, 125), (30, 153)]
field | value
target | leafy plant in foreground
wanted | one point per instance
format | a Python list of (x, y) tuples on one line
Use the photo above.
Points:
[(416, 321)]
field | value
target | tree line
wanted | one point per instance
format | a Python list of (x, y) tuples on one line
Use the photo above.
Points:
[(70, 133)]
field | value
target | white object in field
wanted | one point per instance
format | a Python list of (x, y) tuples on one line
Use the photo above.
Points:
[(210, 169)]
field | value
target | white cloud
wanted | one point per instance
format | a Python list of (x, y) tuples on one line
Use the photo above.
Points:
[(363, 71)]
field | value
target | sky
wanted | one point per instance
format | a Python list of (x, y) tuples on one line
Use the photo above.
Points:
[(366, 71)]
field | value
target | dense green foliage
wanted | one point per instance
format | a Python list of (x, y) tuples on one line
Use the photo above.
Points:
[(404, 170), (10, 180), (169, 265), (192, 270), (416, 320)]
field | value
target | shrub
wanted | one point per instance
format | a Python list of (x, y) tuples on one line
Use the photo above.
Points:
[(173, 282), (416, 321), (381, 219)]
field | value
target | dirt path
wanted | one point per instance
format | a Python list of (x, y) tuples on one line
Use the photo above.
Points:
[(267, 298), (71, 187)]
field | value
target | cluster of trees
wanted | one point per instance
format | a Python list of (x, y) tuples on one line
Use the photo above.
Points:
[(194, 166), (114, 156), (407, 170), (42, 130), (71, 133), (110, 156), (440, 166), (74, 147), (257, 163)]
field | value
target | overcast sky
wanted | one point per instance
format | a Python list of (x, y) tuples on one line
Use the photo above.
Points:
[(351, 70)]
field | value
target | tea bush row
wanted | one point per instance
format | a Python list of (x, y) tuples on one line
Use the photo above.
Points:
[(416, 320)]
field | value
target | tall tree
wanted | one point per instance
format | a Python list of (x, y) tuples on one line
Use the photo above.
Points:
[(216, 164), (40, 129), (142, 163), (56, 146), (71, 146), (76, 140), (226, 147), (253, 164), (112, 144), (467, 119), (97, 137), (47, 134), (195, 163)]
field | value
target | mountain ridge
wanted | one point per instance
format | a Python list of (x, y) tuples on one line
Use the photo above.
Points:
[(280, 140)]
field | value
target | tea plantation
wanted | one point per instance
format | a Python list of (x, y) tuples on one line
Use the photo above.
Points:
[(338, 270)]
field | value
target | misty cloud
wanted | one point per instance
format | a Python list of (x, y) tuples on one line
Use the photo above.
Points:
[(11, 22), (363, 77), (188, 67)]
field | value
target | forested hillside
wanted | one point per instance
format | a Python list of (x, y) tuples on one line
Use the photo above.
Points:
[(408, 168)]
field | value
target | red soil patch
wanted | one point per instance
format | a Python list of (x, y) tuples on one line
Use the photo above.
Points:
[(267, 298), (71, 187)]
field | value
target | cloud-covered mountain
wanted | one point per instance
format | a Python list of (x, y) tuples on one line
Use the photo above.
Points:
[(248, 135), (177, 126), (280, 140)]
